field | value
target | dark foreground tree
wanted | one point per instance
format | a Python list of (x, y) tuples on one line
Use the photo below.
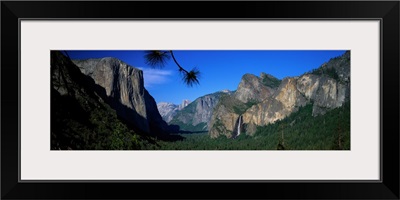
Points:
[(159, 58)]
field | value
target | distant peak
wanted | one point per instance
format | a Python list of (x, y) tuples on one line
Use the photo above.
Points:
[(184, 103), (225, 91), (248, 75), (265, 75), (164, 103)]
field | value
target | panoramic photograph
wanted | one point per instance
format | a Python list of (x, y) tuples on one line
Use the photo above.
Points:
[(200, 100)]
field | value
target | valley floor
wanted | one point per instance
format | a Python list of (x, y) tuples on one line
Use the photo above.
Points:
[(299, 131)]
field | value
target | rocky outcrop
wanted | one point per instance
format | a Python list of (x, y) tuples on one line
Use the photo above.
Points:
[(197, 115), (204, 108), (184, 103), (251, 88), (125, 92), (224, 118), (326, 88), (269, 80), (286, 100), (169, 110), (326, 93), (341, 66)]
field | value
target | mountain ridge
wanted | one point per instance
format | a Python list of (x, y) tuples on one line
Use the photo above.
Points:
[(326, 87), (168, 110), (196, 115)]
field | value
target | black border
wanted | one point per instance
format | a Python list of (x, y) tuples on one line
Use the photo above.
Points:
[(387, 11)]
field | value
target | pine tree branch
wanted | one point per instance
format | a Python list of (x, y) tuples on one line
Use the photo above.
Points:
[(159, 57), (176, 62)]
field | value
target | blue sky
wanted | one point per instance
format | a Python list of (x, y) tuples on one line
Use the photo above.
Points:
[(220, 69)]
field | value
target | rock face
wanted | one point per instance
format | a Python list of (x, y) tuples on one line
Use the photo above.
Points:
[(251, 88), (260, 102), (80, 119), (196, 115), (169, 110), (183, 104), (325, 92), (224, 117), (285, 100), (125, 92)]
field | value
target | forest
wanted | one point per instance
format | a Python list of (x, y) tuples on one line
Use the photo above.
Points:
[(298, 131)]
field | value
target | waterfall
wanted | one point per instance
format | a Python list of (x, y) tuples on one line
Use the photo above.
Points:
[(238, 127), (239, 124)]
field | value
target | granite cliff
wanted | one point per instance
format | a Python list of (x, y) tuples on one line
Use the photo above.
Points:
[(80, 118), (125, 92), (196, 116), (265, 99), (251, 90)]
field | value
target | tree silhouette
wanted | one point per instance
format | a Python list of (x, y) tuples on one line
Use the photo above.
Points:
[(281, 142), (160, 58)]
